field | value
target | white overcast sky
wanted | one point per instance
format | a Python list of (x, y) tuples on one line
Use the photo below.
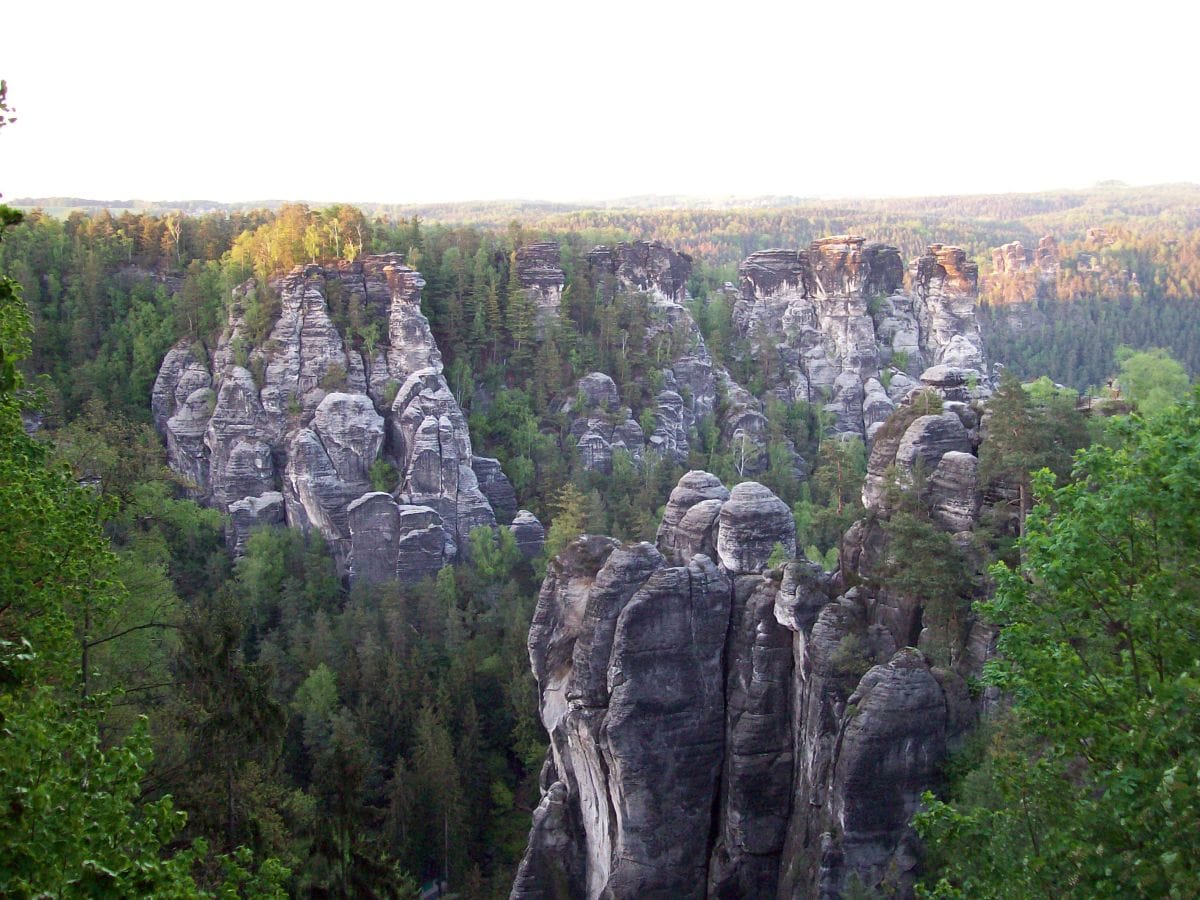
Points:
[(441, 100)]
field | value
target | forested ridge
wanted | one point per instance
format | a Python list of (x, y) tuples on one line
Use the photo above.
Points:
[(362, 741)]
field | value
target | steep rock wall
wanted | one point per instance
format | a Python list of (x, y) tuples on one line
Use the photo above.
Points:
[(722, 728), (307, 413), (693, 382), (849, 335)]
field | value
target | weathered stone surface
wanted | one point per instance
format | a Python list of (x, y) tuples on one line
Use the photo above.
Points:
[(954, 491), (250, 513), (662, 737), (182, 372), (374, 520), (250, 470), (694, 488), (316, 495), (558, 618), (305, 412), (752, 521), (539, 268), (830, 727), (601, 426), (744, 430), (905, 442), (237, 417), (670, 427), (598, 391), (928, 439), (756, 786), (955, 383), (836, 314), (496, 488), (889, 753), (623, 573), (529, 533), (628, 656), (946, 288), (697, 531), (554, 865), (645, 266), (422, 542), (804, 592), (185, 430), (351, 432)]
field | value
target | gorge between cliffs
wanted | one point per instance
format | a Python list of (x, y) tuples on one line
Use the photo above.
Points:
[(725, 719)]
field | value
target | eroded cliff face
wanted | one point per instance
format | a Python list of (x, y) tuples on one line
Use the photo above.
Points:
[(539, 269), (300, 427), (849, 336), (722, 728), (692, 382)]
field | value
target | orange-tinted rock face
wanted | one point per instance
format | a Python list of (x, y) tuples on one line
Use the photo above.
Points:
[(948, 266)]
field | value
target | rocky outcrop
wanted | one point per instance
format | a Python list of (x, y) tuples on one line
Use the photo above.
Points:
[(539, 269), (601, 426), (945, 285), (496, 488), (320, 419), (697, 498), (735, 730), (629, 648), (249, 513), (753, 522), (529, 533), (844, 326), (684, 383), (911, 446), (644, 266), (1020, 274)]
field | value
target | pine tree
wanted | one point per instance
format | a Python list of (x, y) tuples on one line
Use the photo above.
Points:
[(519, 320)]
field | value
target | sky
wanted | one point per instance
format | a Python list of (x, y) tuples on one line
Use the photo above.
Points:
[(415, 102)]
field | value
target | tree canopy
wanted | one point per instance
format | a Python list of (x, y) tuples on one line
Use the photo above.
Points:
[(1090, 785)]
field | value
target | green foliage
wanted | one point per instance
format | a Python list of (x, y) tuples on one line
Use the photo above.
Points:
[(494, 553), (852, 657), (1152, 379), (334, 378), (383, 475), (925, 564), (73, 820), (1029, 430), (569, 522), (1090, 787)]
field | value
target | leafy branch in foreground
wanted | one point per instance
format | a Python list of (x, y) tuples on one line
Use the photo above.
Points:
[(1090, 786)]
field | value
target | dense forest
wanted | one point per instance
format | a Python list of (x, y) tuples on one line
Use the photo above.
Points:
[(326, 741)]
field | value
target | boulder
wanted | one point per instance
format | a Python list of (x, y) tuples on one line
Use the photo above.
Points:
[(694, 488), (529, 533), (752, 522), (249, 513)]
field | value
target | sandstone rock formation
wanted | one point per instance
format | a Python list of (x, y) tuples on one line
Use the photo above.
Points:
[(539, 268), (529, 533), (646, 266), (720, 728), (311, 418), (601, 425), (844, 326), (691, 381), (1020, 274)]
